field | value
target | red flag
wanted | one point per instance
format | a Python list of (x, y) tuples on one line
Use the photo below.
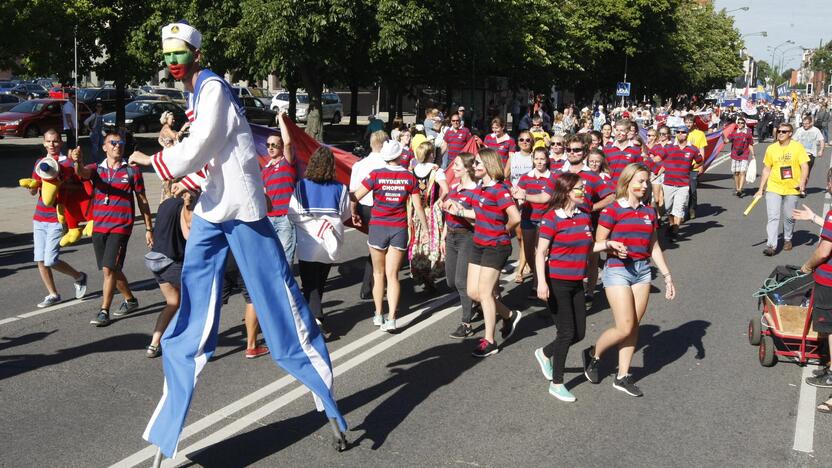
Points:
[(304, 145), (473, 147)]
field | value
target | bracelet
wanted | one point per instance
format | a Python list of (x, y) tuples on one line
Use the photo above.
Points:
[(148, 229)]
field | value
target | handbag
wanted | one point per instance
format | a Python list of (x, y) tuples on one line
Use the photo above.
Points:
[(156, 262)]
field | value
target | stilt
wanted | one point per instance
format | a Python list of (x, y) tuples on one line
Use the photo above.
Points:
[(339, 441), (157, 460)]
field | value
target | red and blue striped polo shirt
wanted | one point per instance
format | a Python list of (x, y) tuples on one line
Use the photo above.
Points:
[(571, 243), (740, 141), (632, 227), (556, 164), (534, 185), (823, 273), (406, 157), (618, 159), (43, 213), (279, 181), (595, 188), (456, 140), (465, 197), (503, 148), (490, 205), (677, 164), (391, 186), (113, 203), (658, 150)]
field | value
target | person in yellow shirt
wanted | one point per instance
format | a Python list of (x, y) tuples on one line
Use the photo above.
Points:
[(696, 138), (785, 169)]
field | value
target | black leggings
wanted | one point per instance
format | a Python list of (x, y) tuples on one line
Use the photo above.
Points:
[(458, 246), (566, 302)]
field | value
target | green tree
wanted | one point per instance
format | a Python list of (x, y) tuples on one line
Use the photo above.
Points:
[(822, 59)]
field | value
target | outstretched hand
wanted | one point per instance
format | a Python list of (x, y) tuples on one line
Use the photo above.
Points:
[(139, 159), (803, 214)]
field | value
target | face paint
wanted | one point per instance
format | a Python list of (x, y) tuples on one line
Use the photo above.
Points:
[(179, 61)]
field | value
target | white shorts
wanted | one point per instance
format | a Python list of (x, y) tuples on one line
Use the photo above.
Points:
[(739, 165), (676, 200)]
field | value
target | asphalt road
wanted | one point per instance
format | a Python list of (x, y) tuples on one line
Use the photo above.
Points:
[(75, 395)]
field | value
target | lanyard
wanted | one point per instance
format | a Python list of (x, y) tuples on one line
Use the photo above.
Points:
[(110, 177)]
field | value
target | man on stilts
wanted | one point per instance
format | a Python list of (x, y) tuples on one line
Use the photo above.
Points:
[(219, 158)]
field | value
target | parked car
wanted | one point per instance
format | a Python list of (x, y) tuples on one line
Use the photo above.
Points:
[(30, 91), (173, 94), (58, 92), (331, 109), (7, 101), (106, 96), (143, 116), (31, 118), (257, 112), (151, 97), (6, 87)]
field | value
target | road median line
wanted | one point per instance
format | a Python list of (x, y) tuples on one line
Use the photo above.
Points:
[(264, 392)]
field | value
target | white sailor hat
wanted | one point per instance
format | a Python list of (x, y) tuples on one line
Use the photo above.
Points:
[(391, 150), (184, 32), (47, 169)]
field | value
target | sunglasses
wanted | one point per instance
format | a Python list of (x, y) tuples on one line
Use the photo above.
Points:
[(454, 120), (272, 145), (783, 131), (664, 133), (557, 143), (477, 163), (578, 190), (524, 140), (574, 150), (116, 143)]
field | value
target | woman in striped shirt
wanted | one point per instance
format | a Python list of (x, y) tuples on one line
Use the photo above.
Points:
[(392, 186), (495, 216), (458, 238), (538, 180), (627, 275), (566, 240)]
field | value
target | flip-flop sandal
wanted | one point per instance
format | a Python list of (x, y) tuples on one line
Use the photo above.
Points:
[(824, 408)]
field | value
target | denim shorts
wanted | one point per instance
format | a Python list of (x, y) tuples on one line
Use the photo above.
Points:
[(529, 224), (47, 240), (635, 272), (384, 237)]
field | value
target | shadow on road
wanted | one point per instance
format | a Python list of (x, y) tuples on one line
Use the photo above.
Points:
[(412, 380), (17, 364)]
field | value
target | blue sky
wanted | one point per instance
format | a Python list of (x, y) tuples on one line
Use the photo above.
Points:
[(806, 22)]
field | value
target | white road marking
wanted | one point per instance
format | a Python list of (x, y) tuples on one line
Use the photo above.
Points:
[(804, 427), (718, 162), (63, 305), (240, 424), (274, 387)]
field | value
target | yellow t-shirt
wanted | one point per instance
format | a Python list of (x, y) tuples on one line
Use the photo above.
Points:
[(785, 162), (698, 139)]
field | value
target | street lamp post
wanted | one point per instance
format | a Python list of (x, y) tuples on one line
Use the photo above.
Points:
[(758, 33), (783, 55), (774, 51)]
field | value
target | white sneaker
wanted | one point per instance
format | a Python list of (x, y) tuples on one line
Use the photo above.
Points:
[(50, 300), (81, 287), (378, 320), (389, 325)]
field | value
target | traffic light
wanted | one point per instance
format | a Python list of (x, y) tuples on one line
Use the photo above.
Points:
[(810, 88)]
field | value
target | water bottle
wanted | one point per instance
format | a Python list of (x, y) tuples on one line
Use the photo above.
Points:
[(776, 298)]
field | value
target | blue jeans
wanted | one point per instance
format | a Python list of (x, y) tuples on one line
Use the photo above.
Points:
[(285, 231), (47, 240), (779, 207), (694, 179)]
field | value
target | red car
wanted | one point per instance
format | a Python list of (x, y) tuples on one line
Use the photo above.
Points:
[(58, 92), (31, 118)]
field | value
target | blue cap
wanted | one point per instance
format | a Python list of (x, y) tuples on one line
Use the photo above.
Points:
[(682, 129)]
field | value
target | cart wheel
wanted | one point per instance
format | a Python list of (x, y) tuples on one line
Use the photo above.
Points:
[(766, 352), (755, 332)]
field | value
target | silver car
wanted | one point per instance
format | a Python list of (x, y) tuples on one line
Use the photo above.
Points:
[(331, 107)]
